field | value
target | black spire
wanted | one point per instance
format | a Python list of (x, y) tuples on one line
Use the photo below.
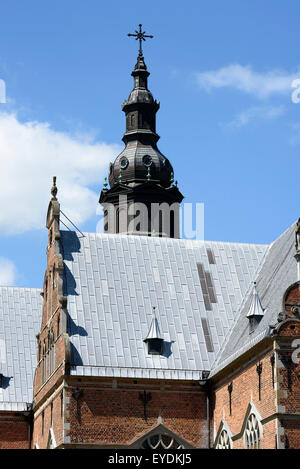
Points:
[(141, 171), (140, 108)]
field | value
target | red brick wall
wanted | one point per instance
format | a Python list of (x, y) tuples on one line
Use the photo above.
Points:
[(53, 417), (104, 415), (288, 369), (244, 390), (14, 431)]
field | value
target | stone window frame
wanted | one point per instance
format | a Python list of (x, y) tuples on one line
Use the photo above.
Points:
[(223, 438), (159, 441), (252, 434), (161, 431), (252, 428)]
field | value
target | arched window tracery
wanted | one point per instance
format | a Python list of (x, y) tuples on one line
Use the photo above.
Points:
[(252, 432)]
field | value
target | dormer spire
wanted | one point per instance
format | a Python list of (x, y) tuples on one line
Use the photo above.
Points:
[(256, 309), (154, 338)]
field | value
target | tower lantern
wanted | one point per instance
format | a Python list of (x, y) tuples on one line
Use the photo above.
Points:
[(142, 198)]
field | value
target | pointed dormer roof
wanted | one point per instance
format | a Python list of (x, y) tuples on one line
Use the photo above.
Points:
[(154, 331), (256, 309)]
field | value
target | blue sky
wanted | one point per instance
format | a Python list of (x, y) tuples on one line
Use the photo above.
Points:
[(222, 72)]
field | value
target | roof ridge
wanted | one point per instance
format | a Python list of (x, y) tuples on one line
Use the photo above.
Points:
[(21, 287), (282, 234), (120, 235), (245, 299), (218, 364)]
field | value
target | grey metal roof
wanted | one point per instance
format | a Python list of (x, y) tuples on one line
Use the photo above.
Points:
[(277, 273), (20, 321), (113, 282), (202, 292)]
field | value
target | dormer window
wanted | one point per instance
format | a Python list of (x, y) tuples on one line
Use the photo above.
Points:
[(154, 338), (155, 346)]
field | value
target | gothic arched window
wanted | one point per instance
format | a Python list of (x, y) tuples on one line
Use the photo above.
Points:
[(161, 441), (252, 432), (224, 440)]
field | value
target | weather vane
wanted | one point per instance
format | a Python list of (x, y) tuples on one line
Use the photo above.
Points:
[(141, 36)]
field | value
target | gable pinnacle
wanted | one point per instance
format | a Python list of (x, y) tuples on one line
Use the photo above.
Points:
[(54, 189)]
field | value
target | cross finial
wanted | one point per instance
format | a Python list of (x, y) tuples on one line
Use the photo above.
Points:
[(141, 36)]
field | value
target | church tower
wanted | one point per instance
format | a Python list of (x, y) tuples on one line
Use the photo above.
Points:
[(142, 198)]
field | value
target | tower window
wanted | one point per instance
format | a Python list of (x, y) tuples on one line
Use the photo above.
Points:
[(106, 220), (147, 160), (124, 162), (172, 227)]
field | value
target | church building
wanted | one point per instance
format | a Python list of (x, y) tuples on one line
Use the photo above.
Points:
[(140, 339)]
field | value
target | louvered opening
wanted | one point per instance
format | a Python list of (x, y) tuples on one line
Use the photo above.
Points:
[(207, 335), (207, 287), (211, 256)]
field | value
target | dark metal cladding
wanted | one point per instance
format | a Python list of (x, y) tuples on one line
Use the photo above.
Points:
[(141, 161), (140, 137)]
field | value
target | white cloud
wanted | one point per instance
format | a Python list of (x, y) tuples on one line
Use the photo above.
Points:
[(30, 154), (253, 114), (7, 272), (243, 78)]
